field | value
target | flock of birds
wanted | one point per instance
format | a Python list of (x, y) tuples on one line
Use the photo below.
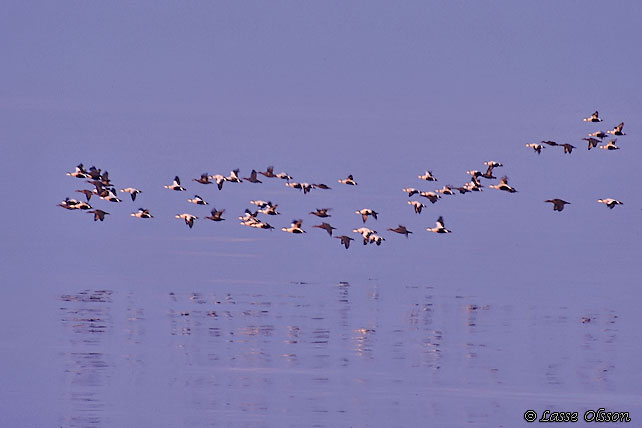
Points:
[(593, 139), (105, 190)]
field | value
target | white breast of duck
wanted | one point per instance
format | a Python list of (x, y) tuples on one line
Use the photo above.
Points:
[(77, 174), (598, 134), (446, 190), (131, 190), (197, 200), (295, 227), (141, 213), (537, 147), (473, 187), (610, 146), (349, 181), (269, 210), (432, 197), (367, 211), (427, 176), (293, 184), (617, 130), (493, 164), (261, 225), (438, 229), (248, 215), (233, 177), (188, 218), (73, 204), (610, 202), (593, 118), (306, 187), (283, 176), (364, 231), (176, 185), (110, 196), (251, 221)]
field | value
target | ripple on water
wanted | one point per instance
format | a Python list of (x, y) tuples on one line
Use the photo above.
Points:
[(325, 355), (86, 318)]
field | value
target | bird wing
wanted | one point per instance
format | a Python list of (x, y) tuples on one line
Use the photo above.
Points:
[(345, 240)]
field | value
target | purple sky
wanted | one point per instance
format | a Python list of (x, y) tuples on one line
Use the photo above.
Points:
[(383, 90)]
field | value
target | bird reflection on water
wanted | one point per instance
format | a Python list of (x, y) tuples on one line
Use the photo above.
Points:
[(307, 349)]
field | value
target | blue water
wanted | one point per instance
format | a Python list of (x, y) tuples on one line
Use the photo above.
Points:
[(366, 354)]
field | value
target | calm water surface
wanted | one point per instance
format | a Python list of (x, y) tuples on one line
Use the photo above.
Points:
[(369, 354)]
